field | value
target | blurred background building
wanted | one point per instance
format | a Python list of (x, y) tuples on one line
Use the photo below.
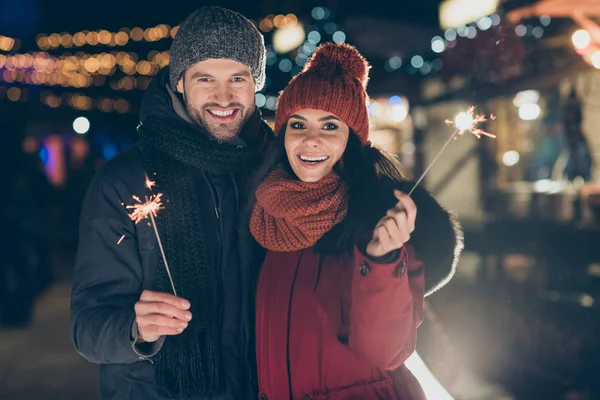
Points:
[(520, 319)]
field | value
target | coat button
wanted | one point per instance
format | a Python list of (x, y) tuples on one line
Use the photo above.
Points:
[(364, 268), (401, 269)]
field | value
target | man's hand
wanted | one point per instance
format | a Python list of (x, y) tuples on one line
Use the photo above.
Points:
[(393, 230), (159, 314)]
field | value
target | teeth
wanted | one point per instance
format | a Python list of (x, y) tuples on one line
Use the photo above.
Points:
[(221, 113), (313, 158)]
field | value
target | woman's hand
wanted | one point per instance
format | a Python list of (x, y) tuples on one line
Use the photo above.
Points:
[(393, 230)]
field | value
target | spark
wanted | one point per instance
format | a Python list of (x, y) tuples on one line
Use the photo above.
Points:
[(149, 184), (468, 121), (143, 210)]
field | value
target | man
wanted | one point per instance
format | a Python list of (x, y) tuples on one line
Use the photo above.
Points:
[(201, 133)]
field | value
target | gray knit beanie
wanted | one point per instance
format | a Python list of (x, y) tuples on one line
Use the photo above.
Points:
[(215, 32)]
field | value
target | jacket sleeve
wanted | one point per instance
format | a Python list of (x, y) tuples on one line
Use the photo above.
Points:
[(386, 307), (107, 280)]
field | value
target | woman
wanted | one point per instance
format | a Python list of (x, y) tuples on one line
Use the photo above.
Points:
[(340, 293)]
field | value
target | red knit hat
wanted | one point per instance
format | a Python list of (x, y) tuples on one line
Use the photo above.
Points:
[(333, 80)]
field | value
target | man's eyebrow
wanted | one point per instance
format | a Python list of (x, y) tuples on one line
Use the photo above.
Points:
[(200, 74)]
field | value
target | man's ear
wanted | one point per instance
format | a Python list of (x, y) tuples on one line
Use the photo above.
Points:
[(180, 84)]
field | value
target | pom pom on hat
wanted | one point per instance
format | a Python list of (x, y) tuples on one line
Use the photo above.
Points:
[(339, 59)]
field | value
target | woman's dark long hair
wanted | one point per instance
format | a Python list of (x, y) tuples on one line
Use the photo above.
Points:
[(363, 168)]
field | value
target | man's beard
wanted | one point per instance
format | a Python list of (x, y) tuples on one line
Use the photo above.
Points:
[(221, 131)]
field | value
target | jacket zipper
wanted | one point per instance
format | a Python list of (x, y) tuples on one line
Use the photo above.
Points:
[(217, 204), (289, 323), (215, 196)]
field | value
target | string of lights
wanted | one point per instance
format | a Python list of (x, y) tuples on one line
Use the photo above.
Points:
[(104, 37), (89, 64), (76, 101), (81, 70)]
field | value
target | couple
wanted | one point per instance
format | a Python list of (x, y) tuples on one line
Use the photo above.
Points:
[(299, 261)]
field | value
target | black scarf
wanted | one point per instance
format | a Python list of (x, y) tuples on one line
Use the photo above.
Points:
[(177, 153)]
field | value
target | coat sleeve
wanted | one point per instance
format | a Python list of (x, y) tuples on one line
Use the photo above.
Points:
[(107, 280), (386, 307)]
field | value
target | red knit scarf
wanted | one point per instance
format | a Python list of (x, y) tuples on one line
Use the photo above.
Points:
[(293, 215)]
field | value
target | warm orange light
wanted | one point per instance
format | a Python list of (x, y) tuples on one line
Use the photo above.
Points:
[(66, 40), (104, 36), (79, 39), (278, 21), (265, 25), (137, 34), (121, 38)]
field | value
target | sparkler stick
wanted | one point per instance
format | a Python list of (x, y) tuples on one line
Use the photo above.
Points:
[(434, 160), (149, 209), (162, 252), (464, 121)]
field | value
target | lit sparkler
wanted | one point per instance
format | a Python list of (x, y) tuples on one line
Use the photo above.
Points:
[(150, 209), (143, 210), (468, 121), (464, 121)]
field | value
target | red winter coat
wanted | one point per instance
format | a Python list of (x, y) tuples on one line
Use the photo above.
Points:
[(338, 336)]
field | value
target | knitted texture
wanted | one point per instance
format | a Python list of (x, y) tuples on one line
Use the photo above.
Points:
[(215, 32), (292, 215), (177, 154), (334, 80)]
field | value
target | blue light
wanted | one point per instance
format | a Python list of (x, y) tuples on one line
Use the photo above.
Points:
[(395, 100), (109, 150), (393, 64), (450, 35), (314, 37), (308, 48), (260, 99), (271, 57), (301, 59), (285, 65), (417, 61), (371, 110), (339, 37), (320, 13), (43, 155)]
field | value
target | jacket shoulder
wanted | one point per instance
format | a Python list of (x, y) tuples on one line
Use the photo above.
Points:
[(127, 164), (119, 178)]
